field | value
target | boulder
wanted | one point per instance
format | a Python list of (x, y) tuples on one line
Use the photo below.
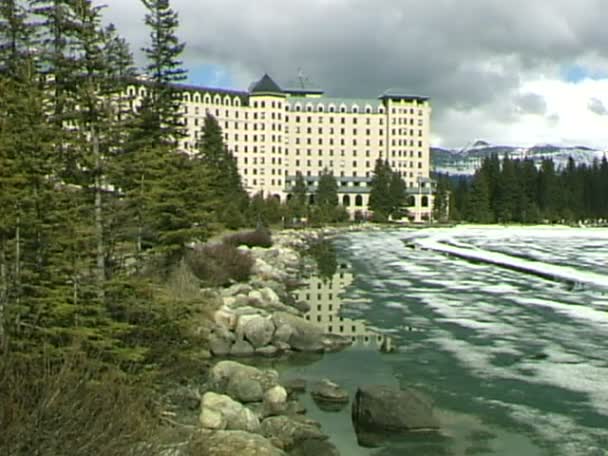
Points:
[(335, 342), (305, 336), (283, 333), (225, 318), (295, 407), (268, 350), (314, 447), (328, 391), (222, 373), (287, 432), (236, 289), (233, 443), (391, 409), (241, 348), (220, 341), (234, 416), (275, 400), (294, 385), (244, 388), (212, 419), (258, 331)]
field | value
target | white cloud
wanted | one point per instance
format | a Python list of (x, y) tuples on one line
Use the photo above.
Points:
[(492, 68)]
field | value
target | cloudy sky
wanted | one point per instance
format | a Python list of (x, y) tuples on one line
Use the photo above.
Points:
[(519, 72)]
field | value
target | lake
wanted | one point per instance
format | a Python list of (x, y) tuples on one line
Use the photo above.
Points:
[(506, 329)]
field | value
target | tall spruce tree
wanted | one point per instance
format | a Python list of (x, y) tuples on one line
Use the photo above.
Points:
[(226, 195), (15, 37), (297, 203), (380, 201), (164, 69)]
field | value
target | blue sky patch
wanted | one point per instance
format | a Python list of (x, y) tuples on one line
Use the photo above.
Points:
[(210, 75), (577, 73)]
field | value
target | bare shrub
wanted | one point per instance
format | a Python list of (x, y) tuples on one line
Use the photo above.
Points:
[(260, 237), (73, 407), (220, 264)]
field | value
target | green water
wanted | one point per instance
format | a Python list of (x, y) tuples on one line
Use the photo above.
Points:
[(516, 365)]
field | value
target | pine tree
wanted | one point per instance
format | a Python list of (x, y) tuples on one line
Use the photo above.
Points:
[(15, 37), (396, 190), (326, 198), (297, 203), (380, 201), (478, 204), (226, 196), (507, 192), (164, 69)]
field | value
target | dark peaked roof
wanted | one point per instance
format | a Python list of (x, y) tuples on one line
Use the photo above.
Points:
[(265, 85)]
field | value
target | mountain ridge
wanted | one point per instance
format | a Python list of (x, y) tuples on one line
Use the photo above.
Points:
[(467, 160)]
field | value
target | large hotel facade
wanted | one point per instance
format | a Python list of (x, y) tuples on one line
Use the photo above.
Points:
[(275, 132)]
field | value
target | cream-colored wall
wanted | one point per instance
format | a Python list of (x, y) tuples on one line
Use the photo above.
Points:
[(275, 136)]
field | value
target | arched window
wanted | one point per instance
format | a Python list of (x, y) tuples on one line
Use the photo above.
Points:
[(355, 109), (411, 201), (358, 200), (320, 108), (368, 109), (346, 201), (332, 108), (186, 96), (298, 107), (217, 100), (425, 201), (237, 101), (196, 98), (227, 101), (308, 108), (207, 99), (342, 108)]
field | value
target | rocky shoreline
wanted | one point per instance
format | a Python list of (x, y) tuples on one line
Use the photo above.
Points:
[(246, 410)]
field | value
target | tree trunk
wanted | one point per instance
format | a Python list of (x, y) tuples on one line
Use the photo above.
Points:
[(100, 253), (3, 292), (18, 270)]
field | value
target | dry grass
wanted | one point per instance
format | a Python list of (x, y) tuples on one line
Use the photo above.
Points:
[(73, 407), (257, 238), (220, 264)]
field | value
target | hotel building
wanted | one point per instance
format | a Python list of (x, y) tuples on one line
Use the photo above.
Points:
[(275, 132)]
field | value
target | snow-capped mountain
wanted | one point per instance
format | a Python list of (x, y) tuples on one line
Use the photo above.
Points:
[(466, 161)]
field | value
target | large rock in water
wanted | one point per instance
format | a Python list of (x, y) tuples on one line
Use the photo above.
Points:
[(380, 408), (287, 432), (233, 443), (305, 336)]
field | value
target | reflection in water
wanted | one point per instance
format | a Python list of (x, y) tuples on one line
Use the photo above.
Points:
[(323, 296)]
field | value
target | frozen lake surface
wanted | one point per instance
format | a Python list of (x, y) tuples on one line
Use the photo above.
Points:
[(505, 328)]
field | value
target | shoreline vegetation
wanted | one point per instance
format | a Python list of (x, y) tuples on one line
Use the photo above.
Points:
[(77, 404)]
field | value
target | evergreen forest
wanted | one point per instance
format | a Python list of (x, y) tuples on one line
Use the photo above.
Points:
[(100, 300), (518, 191)]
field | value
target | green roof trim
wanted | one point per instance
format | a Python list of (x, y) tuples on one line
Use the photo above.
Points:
[(400, 94)]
